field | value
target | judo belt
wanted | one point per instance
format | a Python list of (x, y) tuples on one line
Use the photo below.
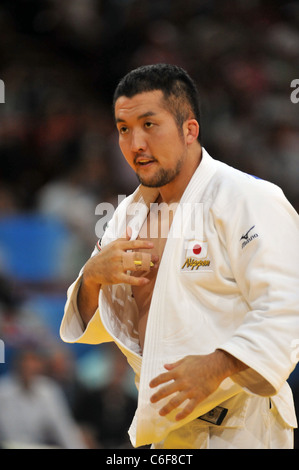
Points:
[(215, 416)]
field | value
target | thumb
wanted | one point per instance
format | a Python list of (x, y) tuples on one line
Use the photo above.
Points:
[(173, 365), (128, 233)]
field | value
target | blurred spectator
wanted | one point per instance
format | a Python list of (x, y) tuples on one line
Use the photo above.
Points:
[(68, 200), (61, 368), (19, 324), (107, 410), (33, 411)]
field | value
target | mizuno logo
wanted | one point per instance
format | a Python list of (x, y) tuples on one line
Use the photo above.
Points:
[(245, 237), (248, 238)]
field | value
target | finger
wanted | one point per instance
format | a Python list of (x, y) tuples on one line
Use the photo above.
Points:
[(164, 392), (128, 233), (134, 244), (174, 403), (133, 281), (133, 261), (173, 365), (186, 411), (155, 260), (161, 379), (166, 376)]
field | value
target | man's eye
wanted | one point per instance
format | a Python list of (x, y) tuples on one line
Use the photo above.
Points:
[(123, 130), (148, 125)]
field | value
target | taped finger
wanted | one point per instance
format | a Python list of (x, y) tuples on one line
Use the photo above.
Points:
[(134, 261)]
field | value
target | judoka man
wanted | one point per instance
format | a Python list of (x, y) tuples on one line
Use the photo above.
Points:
[(207, 316)]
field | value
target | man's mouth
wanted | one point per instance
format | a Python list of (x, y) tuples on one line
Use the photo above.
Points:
[(144, 161)]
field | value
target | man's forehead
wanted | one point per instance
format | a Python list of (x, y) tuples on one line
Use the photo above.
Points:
[(145, 102)]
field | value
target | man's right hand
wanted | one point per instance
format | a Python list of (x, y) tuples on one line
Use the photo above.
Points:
[(110, 266)]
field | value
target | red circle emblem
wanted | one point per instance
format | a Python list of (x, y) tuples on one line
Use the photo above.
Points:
[(196, 249)]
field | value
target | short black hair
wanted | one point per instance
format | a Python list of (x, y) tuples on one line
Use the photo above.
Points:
[(179, 90)]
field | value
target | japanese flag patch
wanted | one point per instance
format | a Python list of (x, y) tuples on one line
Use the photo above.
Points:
[(195, 256)]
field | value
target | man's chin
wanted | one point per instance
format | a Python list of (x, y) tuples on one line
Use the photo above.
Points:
[(150, 184), (158, 181)]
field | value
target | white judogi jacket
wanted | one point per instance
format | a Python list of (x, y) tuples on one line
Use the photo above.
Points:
[(228, 279)]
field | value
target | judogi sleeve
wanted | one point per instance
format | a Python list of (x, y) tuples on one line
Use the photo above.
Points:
[(262, 238), (72, 329)]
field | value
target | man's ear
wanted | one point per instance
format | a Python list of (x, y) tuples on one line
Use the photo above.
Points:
[(191, 130)]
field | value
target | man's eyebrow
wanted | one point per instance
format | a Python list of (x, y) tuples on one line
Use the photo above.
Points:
[(142, 116), (147, 114)]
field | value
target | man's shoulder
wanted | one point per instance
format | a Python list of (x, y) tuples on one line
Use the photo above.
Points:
[(231, 183)]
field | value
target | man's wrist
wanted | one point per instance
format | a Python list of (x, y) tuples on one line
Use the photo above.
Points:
[(228, 364), (87, 299)]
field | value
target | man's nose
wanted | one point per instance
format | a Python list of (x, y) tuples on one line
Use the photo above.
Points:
[(138, 141)]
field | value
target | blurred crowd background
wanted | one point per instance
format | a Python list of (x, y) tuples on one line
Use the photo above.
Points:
[(60, 61)]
